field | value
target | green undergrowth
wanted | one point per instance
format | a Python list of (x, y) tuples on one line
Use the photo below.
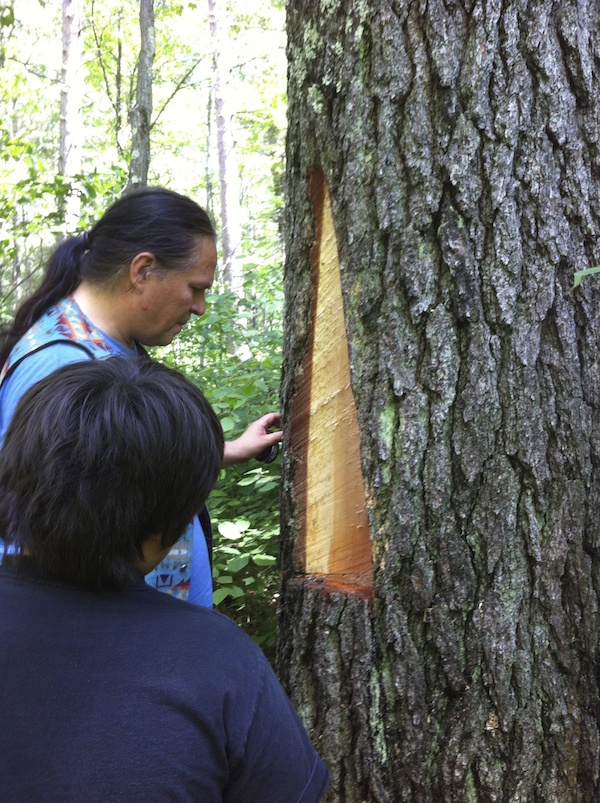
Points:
[(233, 353)]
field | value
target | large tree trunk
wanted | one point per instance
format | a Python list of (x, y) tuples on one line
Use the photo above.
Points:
[(459, 143)]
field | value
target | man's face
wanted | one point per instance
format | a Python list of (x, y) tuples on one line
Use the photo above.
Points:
[(167, 301)]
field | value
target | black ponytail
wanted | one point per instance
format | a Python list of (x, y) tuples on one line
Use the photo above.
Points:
[(61, 277)]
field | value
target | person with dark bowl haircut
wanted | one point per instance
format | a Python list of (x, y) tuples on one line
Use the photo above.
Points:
[(110, 690)]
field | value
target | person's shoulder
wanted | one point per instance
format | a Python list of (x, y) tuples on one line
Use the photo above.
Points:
[(224, 629), (209, 624), (30, 370), (40, 363)]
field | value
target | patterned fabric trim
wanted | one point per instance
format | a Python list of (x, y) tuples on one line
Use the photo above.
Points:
[(64, 322), (172, 575)]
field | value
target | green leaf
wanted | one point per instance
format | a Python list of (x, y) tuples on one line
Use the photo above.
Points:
[(228, 424), (235, 564), (7, 16), (247, 481), (264, 560), (229, 550), (265, 487), (219, 595), (579, 275)]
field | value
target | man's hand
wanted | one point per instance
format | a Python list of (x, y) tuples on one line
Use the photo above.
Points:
[(254, 440)]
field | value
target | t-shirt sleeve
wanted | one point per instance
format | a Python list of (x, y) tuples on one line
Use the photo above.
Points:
[(279, 761), (33, 368)]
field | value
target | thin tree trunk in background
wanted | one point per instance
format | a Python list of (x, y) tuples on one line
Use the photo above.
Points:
[(71, 103), (103, 56), (141, 113), (210, 202), (459, 143), (15, 279), (231, 230)]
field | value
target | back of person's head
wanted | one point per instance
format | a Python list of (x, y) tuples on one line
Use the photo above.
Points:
[(99, 456), (160, 221)]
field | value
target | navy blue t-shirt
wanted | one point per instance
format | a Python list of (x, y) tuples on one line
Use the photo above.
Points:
[(138, 696)]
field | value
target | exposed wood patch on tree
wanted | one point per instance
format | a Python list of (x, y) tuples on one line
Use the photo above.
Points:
[(334, 543)]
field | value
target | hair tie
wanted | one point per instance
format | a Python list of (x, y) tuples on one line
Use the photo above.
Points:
[(85, 241)]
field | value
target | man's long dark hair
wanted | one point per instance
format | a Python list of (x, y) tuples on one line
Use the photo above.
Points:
[(153, 219), (99, 456)]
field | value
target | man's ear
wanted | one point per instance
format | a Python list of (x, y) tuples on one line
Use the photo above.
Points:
[(140, 267)]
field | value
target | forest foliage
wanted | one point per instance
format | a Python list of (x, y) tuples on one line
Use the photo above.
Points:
[(234, 351)]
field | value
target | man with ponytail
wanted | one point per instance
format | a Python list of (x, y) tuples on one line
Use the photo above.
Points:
[(133, 280)]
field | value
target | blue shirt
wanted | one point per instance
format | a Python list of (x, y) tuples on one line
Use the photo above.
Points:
[(41, 363)]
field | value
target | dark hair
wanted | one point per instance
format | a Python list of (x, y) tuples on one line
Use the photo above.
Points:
[(99, 456), (152, 219)]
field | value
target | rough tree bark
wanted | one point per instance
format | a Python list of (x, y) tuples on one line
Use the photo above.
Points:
[(141, 113), (460, 144)]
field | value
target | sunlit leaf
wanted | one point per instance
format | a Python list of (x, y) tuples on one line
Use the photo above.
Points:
[(264, 560)]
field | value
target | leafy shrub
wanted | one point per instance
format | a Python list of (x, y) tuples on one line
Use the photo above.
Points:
[(246, 549)]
